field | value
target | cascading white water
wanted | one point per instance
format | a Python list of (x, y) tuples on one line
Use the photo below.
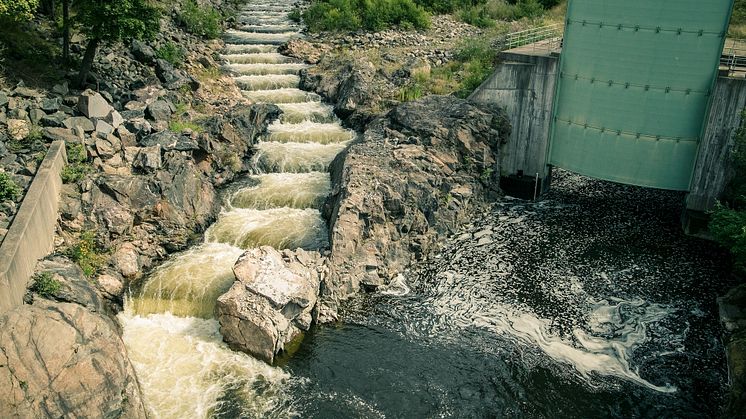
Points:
[(184, 368)]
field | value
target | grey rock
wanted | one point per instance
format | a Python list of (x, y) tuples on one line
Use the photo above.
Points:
[(103, 127), (63, 134), (170, 141), (18, 129), (143, 52), (160, 110), (81, 122), (61, 89), (270, 302), (35, 115), (3, 99), (114, 119), (51, 105), (148, 158), (93, 105), (54, 120)]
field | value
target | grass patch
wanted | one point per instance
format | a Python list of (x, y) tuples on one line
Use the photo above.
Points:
[(179, 125), (172, 53), (45, 284), (87, 254), (77, 163), (295, 15), (204, 21), (486, 14), (9, 189), (373, 15)]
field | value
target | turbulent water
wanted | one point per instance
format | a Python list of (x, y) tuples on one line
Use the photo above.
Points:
[(590, 303), (173, 340)]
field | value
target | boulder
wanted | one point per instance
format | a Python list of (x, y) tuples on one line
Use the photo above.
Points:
[(56, 119), (126, 260), (169, 140), (62, 360), (147, 159), (143, 52), (92, 105), (160, 110), (64, 134), (81, 122), (102, 127), (50, 105), (18, 129), (271, 302), (62, 355), (171, 77), (3, 99), (35, 115), (114, 119)]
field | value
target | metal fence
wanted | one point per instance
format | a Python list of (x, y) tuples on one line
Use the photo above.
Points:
[(734, 55), (547, 38)]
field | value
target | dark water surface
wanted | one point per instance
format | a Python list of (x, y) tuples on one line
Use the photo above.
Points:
[(591, 303)]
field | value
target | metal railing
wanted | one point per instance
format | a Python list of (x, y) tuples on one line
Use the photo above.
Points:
[(547, 38), (734, 55)]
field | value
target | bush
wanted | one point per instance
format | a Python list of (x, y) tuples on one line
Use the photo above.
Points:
[(201, 20), (87, 254), (45, 284), (374, 15), (477, 16), (728, 221), (295, 15), (18, 9), (77, 163), (171, 53), (9, 190)]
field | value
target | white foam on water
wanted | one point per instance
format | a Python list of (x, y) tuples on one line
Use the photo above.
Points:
[(281, 228), (240, 37), (309, 132), (294, 113), (289, 95), (257, 58), (268, 28), (263, 69), (184, 368), (295, 157), (189, 283), (276, 190), (272, 81), (397, 287), (249, 49), (617, 327)]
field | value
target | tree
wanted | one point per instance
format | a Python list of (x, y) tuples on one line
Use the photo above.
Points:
[(112, 21), (66, 31), (18, 9)]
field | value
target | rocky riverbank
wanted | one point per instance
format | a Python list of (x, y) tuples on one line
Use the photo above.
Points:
[(148, 144)]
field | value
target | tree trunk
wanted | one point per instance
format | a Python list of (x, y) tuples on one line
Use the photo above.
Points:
[(85, 66), (66, 31)]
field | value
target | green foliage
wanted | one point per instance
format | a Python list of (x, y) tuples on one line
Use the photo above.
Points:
[(484, 15), (77, 163), (374, 15), (9, 190), (295, 15), (446, 6), (178, 125), (478, 59), (18, 9), (203, 21), (477, 16), (45, 284), (114, 20), (172, 53), (728, 220), (87, 254)]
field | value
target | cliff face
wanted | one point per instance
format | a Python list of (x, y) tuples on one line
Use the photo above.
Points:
[(416, 175)]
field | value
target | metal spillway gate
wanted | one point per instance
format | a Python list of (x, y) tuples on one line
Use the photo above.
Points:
[(634, 86)]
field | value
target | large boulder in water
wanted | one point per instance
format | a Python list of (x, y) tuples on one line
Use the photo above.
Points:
[(271, 302)]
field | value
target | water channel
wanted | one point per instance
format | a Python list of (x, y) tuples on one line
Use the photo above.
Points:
[(589, 303)]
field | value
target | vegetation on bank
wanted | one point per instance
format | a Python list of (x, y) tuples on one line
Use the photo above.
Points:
[(35, 35), (376, 15), (728, 222), (87, 254), (737, 27), (45, 284), (9, 190)]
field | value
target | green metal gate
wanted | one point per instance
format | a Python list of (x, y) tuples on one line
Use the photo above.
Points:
[(634, 85)]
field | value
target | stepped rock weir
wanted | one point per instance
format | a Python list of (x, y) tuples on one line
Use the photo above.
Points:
[(278, 206)]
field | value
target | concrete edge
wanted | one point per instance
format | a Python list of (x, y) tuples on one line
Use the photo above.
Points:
[(31, 235)]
